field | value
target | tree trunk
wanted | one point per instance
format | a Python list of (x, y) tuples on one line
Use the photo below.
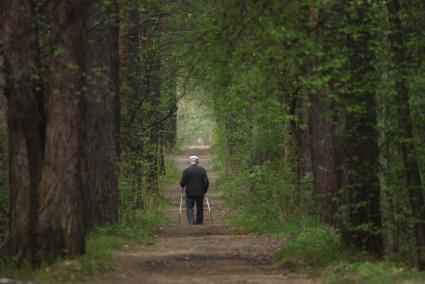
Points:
[(25, 125), (151, 36), (321, 143), (60, 226), (406, 139), (131, 59), (363, 224), (115, 73), (161, 158), (322, 157), (100, 179)]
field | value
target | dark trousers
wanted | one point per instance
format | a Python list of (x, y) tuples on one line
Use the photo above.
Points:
[(190, 203)]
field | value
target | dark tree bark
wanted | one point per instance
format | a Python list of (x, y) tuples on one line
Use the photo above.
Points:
[(100, 121), (25, 124), (131, 59), (406, 137), (171, 136), (322, 157), (151, 33), (115, 72), (144, 79), (161, 159), (321, 138), (363, 225), (295, 138), (169, 132), (60, 225)]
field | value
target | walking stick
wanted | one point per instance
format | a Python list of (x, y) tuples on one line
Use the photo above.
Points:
[(209, 209), (181, 202)]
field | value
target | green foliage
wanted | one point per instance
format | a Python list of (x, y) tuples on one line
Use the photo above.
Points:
[(135, 197), (172, 173), (314, 246), (274, 192), (264, 197)]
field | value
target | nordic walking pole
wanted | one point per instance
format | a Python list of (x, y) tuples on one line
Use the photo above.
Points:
[(181, 202), (209, 209)]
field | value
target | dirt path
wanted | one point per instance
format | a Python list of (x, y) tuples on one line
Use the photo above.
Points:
[(211, 253)]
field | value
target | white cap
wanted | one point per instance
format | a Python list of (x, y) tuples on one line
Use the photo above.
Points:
[(194, 158)]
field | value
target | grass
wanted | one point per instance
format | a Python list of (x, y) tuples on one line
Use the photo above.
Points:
[(372, 272), (314, 248), (308, 244), (100, 244)]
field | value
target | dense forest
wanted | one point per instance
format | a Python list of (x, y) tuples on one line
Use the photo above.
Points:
[(85, 107), (317, 107)]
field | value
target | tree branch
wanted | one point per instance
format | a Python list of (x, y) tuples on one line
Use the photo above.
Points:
[(170, 113)]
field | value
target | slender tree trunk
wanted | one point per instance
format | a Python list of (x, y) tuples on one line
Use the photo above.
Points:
[(406, 140), (25, 124), (115, 72), (131, 58), (60, 226), (161, 158), (100, 122), (151, 33), (322, 157), (134, 64), (321, 139)]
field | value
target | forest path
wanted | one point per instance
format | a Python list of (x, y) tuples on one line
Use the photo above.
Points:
[(211, 253)]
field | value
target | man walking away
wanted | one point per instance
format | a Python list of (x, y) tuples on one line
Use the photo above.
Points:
[(195, 179)]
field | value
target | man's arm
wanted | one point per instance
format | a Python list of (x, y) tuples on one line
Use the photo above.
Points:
[(183, 179), (206, 182)]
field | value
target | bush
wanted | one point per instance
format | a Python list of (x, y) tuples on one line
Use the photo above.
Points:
[(312, 246)]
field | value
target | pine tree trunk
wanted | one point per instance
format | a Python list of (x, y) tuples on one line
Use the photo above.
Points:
[(100, 122), (25, 125), (60, 226)]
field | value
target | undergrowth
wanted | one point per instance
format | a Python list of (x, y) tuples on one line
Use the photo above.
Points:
[(309, 246)]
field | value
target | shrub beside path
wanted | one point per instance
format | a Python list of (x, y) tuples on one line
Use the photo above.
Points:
[(211, 253)]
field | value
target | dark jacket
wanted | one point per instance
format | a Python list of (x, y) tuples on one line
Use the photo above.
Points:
[(195, 180)]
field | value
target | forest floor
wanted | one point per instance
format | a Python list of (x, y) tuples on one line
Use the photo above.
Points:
[(212, 253)]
